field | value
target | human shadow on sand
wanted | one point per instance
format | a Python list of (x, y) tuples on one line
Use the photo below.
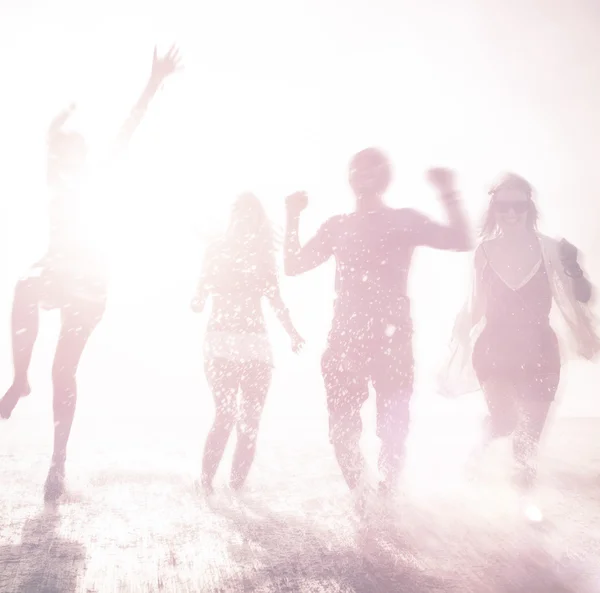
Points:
[(43, 562), (289, 553), (286, 553)]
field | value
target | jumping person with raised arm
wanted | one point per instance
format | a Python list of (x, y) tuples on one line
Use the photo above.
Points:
[(69, 277)]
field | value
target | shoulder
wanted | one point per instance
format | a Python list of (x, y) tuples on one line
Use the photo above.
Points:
[(487, 245), (409, 217), (483, 251), (406, 214), (334, 225), (408, 220), (550, 245), (335, 221), (548, 240)]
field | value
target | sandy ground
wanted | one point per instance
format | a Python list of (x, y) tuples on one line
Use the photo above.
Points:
[(134, 522)]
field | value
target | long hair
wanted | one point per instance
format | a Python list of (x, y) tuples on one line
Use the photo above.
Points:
[(251, 230), (489, 228)]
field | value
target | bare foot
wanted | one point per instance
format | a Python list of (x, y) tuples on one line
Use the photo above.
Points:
[(205, 486), (54, 487), (15, 392), (236, 484)]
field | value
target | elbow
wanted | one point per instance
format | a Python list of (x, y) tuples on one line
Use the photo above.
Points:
[(463, 243)]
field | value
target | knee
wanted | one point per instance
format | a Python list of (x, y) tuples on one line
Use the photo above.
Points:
[(63, 376), (225, 417), (247, 430)]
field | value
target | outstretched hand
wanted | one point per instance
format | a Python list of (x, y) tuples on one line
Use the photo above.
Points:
[(164, 66)]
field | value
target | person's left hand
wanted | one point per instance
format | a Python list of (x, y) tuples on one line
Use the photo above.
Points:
[(297, 343), (568, 252)]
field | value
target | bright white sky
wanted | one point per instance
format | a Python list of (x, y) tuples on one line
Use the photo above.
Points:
[(276, 96)]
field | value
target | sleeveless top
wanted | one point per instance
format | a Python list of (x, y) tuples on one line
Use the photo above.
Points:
[(517, 338)]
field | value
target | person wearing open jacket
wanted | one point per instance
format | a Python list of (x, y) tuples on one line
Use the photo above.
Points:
[(503, 342)]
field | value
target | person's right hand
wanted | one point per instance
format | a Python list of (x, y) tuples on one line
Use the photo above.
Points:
[(296, 202)]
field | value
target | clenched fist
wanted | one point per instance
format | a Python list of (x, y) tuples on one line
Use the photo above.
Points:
[(297, 202), (444, 180)]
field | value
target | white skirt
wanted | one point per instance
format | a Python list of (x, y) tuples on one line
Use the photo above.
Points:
[(238, 347)]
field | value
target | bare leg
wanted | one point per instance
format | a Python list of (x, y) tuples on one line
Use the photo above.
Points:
[(78, 322), (255, 384), (346, 444), (535, 404), (25, 323), (501, 397), (223, 377)]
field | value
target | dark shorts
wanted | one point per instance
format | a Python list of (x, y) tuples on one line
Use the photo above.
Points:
[(59, 287), (380, 353)]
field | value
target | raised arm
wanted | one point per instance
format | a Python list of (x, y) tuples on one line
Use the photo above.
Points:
[(162, 67), (298, 259), (456, 235)]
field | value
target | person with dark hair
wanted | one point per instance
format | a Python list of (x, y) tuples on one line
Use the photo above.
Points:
[(371, 332), (70, 277), (238, 271), (515, 353)]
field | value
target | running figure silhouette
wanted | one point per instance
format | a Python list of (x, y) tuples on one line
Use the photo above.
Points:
[(70, 277), (504, 335), (371, 334), (239, 270)]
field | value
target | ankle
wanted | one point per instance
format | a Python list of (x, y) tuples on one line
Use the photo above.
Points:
[(58, 461), (206, 481)]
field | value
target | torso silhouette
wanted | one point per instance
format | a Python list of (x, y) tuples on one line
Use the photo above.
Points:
[(517, 338), (373, 252), (237, 283)]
